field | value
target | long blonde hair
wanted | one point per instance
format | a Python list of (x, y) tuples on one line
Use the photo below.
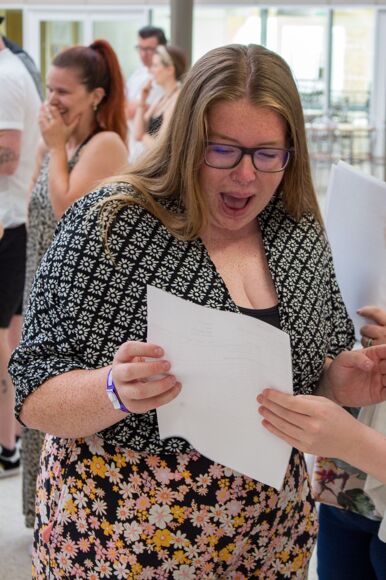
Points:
[(171, 168)]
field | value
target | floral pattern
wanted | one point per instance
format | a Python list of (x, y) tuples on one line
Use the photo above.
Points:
[(341, 485), (117, 513)]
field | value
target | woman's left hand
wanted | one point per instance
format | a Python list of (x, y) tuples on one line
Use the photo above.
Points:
[(52, 127), (311, 424), (356, 378)]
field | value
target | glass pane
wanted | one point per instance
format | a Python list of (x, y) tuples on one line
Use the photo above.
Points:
[(161, 17), (299, 36), (214, 27), (12, 26), (352, 58), (56, 36), (122, 35)]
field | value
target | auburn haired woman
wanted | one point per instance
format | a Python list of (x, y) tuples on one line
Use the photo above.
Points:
[(84, 136)]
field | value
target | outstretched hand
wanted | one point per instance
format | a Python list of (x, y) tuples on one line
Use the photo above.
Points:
[(311, 424), (356, 378)]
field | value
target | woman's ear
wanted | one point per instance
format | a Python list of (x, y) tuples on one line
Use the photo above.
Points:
[(99, 94)]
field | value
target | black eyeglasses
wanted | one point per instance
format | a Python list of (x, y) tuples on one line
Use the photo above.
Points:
[(145, 48), (265, 159)]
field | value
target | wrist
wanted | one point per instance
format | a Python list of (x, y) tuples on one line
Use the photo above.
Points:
[(357, 449), (57, 149), (325, 388), (113, 395)]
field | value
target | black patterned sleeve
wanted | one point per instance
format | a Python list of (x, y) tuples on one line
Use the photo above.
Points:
[(87, 301), (70, 304), (342, 328)]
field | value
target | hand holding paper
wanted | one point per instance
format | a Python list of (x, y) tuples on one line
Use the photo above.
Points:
[(223, 360)]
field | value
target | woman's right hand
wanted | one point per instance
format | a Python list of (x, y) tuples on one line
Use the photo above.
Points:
[(373, 334), (145, 91), (143, 384), (54, 131)]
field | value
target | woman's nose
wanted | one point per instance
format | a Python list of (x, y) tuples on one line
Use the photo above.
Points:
[(244, 172), (52, 98)]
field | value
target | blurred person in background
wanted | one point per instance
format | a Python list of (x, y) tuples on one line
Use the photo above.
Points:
[(167, 70), (149, 37), (26, 60), (19, 135), (84, 140)]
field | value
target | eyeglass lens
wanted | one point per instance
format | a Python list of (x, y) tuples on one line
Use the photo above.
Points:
[(228, 156), (145, 48)]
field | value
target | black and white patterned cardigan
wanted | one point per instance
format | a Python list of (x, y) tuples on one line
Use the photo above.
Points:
[(84, 305)]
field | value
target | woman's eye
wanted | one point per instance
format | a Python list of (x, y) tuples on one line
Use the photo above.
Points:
[(267, 154), (223, 150)]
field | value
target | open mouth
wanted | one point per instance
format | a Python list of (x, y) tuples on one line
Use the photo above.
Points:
[(235, 203)]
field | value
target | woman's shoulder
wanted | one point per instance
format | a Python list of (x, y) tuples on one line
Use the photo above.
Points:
[(106, 138), (108, 216), (118, 200), (92, 201)]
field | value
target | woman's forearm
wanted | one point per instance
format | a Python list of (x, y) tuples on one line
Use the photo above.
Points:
[(74, 404), (367, 451), (324, 388)]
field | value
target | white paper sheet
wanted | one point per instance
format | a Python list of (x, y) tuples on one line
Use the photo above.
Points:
[(356, 228), (223, 360)]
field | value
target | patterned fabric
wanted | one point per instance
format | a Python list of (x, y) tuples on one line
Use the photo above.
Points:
[(159, 509), (116, 513), (41, 228), (41, 222), (155, 125), (341, 485)]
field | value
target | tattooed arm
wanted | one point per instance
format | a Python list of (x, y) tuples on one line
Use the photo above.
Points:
[(10, 142)]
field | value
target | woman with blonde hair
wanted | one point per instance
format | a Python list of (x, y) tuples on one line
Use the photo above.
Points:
[(168, 68), (221, 213)]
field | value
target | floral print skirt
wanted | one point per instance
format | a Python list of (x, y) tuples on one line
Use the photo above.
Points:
[(109, 512)]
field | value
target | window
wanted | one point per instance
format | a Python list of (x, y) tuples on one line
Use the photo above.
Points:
[(214, 27), (352, 62)]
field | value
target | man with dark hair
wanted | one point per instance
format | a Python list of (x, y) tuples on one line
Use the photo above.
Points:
[(19, 134), (151, 32), (149, 37)]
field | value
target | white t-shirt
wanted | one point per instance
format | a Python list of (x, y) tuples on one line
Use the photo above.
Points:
[(133, 91), (19, 108)]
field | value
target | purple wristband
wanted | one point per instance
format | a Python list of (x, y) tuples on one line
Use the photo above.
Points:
[(112, 394)]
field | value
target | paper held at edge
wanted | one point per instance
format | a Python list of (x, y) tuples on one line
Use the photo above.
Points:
[(223, 360), (356, 228)]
